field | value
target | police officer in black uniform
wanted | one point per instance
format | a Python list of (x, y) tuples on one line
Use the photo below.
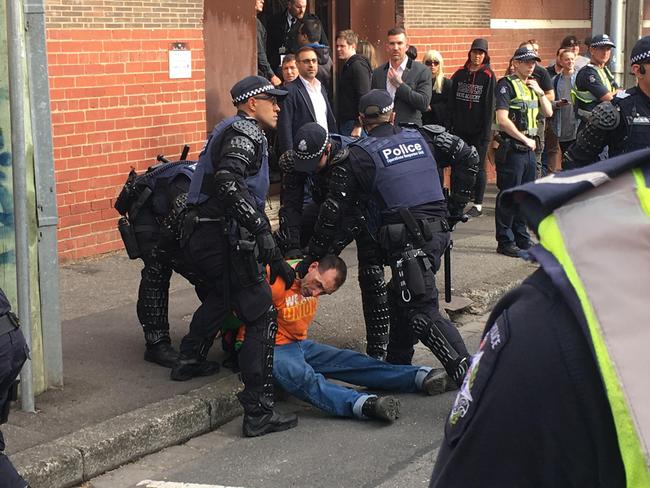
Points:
[(226, 237), (393, 176), (558, 387), (622, 124), (307, 171), (145, 202), (13, 354)]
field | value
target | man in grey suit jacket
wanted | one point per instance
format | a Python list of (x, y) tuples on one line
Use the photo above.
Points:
[(408, 82)]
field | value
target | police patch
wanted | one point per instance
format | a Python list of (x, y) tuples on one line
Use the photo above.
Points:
[(402, 152), (503, 90), (476, 379), (592, 79)]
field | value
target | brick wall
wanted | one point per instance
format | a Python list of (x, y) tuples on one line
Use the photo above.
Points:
[(114, 106), (444, 14)]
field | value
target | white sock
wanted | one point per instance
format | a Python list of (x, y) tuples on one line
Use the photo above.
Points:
[(478, 206)]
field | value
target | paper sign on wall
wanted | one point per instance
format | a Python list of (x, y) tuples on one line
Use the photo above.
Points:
[(180, 61)]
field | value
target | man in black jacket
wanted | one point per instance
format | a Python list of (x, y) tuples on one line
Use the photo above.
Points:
[(309, 33), (472, 108), (408, 82), (353, 81), (263, 67), (283, 32)]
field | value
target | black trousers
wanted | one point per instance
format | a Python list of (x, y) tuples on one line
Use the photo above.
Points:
[(402, 335), (481, 178), (13, 354), (208, 253)]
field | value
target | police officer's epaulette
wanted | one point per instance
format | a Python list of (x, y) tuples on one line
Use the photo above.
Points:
[(434, 130), (249, 129), (340, 156)]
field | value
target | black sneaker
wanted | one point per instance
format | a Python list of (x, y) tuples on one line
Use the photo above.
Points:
[(186, 369), (382, 408), (273, 421), (437, 382), (474, 212), (161, 353), (525, 245), (508, 249)]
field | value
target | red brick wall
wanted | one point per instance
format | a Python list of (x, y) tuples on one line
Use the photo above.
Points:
[(114, 106)]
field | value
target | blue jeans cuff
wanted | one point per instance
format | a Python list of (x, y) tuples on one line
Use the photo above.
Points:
[(420, 375), (358, 405)]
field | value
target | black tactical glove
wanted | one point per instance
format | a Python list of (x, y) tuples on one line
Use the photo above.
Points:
[(265, 246), (285, 162), (302, 267), (279, 267), (294, 254)]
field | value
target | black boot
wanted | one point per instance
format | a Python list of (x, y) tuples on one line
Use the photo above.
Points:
[(187, 368), (382, 408), (270, 421), (458, 369), (159, 348)]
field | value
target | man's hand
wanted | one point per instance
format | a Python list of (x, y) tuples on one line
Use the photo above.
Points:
[(394, 78), (265, 246), (279, 267), (303, 266), (533, 85), (276, 81), (286, 161), (530, 143), (356, 131)]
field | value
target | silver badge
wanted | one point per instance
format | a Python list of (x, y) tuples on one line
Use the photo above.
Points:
[(302, 145)]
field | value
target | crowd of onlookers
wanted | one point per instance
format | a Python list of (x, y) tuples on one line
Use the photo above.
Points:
[(294, 52)]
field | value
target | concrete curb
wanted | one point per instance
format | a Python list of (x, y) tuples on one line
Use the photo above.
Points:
[(89, 452)]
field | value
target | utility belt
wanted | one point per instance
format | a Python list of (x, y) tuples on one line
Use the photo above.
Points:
[(403, 243), (9, 322), (508, 144)]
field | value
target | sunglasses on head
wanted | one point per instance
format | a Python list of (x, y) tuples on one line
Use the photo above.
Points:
[(432, 62)]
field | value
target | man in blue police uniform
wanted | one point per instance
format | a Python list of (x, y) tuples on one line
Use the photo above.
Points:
[(393, 177), (519, 100), (557, 393), (594, 82), (622, 124), (145, 203), (226, 237), (307, 172), (13, 354)]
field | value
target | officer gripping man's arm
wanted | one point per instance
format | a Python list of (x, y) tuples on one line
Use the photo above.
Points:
[(291, 210)]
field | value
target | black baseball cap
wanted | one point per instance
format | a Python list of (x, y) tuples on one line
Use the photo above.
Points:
[(525, 54), (480, 44), (375, 103), (641, 51), (601, 40), (309, 144), (251, 86)]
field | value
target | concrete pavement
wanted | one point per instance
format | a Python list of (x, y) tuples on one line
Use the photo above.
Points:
[(115, 407)]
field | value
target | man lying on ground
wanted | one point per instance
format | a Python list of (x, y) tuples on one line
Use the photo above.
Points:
[(300, 366)]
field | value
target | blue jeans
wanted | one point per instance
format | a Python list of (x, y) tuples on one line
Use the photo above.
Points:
[(300, 368), (518, 168)]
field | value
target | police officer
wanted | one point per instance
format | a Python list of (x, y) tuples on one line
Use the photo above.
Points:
[(226, 237), (557, 393), (519, 99), (13, 354), (393, 176), (308, 170), (594, 82), (622, 124), (145, 202)]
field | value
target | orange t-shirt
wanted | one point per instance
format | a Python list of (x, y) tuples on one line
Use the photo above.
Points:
[(295, 313)]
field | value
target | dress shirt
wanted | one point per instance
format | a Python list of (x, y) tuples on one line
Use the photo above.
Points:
[(317, 100), (400, 70)]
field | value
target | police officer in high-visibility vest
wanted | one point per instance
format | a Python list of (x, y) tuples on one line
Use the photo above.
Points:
[(594, 82), (557, 394), (519, 99), (393, 177), (13, 354), (623, 124)]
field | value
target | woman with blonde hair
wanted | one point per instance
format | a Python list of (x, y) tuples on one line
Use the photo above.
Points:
[(367, 50), (438, 112)]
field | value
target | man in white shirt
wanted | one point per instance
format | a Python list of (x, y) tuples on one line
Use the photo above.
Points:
[(307, 101), (407, 81)]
